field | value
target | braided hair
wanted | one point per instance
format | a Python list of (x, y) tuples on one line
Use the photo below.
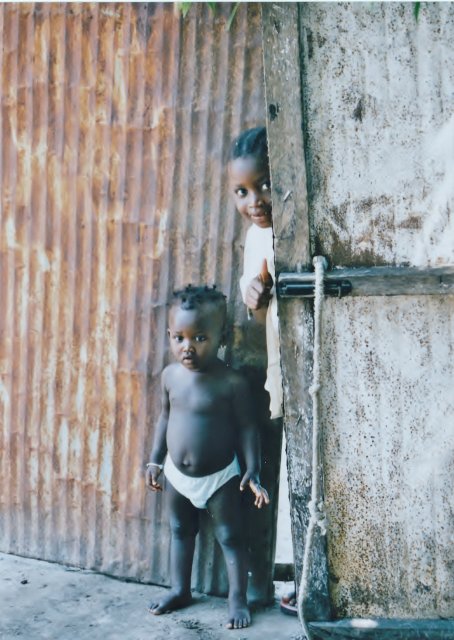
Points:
[(192, 297), (251, 142)]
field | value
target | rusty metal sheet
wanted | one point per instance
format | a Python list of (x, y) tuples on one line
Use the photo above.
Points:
[(115, 121)]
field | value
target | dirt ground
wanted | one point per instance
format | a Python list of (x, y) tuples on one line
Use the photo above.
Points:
[(44, 601)]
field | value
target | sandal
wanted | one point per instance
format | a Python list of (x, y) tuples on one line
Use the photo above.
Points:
[(288, 605)]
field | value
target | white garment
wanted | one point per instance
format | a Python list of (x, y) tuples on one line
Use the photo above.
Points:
[(199, 490), (257, 247)]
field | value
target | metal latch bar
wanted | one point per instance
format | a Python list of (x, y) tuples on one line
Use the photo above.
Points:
[(306, 289), (370, 281)]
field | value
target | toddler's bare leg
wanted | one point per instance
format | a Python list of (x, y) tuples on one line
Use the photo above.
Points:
[(184, 525), (225, 508)]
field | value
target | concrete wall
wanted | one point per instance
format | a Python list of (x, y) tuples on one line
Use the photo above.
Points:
[(379, 130), (379, 115)]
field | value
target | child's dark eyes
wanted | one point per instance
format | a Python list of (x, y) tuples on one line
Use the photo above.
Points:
[(179, 339), (264, 187)]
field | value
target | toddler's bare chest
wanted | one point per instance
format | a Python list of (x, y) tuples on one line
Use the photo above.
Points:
[(201, 397)]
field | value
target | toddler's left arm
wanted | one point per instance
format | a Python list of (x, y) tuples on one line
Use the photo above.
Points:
[(249, 440), (260, 493)]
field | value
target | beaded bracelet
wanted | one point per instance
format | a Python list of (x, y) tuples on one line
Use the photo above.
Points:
[(155, 464)]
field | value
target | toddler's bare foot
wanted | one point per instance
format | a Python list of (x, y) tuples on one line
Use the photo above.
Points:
[(169, 602), (239, 615)]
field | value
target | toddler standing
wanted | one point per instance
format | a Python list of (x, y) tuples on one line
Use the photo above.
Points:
[(207, 418)]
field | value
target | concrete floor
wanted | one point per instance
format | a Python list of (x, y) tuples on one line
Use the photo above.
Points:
[(43, 601)]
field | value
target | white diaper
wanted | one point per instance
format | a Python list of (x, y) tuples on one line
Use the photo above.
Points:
[(199, 490)]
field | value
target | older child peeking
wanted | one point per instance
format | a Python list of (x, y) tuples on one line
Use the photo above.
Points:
[(206, 419), (249, 181)]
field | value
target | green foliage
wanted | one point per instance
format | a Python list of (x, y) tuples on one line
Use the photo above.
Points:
[(416, 9), (232, 16), (185, 6)]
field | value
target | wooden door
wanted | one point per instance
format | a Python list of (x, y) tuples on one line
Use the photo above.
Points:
[(360, 131)]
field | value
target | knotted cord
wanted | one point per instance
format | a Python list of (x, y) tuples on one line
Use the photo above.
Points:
[(317, 515)]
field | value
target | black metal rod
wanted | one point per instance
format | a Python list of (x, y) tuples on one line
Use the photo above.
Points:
[(370, 281)]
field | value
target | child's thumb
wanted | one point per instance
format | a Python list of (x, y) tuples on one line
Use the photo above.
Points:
[(264, 270), (265, 275)]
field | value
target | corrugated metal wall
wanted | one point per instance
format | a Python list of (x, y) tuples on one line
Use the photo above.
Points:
[(115, 119), (380, 129)]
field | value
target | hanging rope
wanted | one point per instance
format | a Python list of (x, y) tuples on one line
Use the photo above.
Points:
[(316, 507)]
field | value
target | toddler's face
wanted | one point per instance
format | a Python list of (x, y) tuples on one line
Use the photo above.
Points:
[(249, 181), (195, 337)]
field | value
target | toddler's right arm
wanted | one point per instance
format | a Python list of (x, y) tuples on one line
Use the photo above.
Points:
[(159, 450)]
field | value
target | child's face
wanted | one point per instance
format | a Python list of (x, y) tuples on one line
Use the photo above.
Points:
[(249, 180), (195, 336)]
